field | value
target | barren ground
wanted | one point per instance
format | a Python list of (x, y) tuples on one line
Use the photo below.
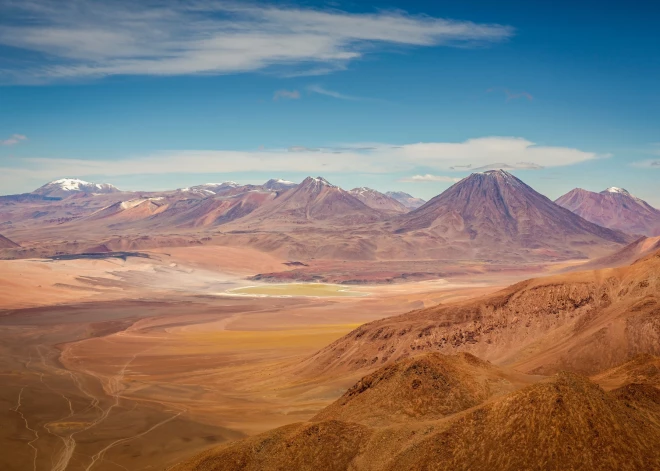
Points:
[(136, 364)]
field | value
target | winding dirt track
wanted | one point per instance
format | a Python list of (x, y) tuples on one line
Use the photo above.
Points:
[(27, 427)]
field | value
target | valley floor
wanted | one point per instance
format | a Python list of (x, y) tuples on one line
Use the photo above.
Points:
[(139, 363)]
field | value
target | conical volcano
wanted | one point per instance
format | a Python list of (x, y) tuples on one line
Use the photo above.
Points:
[(494, 212)]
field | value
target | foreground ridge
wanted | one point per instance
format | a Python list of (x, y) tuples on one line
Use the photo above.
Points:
[(565, 421)]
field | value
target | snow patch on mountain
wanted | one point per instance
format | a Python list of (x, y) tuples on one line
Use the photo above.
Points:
[(66, 186)]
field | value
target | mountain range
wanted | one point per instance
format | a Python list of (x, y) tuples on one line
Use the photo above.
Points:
[(488, 216)]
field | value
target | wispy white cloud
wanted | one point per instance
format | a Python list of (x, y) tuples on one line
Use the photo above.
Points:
[(331, 93), (655, 164), (353, 158), (515, 166), (486, 150), (13, 140), (511, 95), (302, 149), (652, 149), (430, 178), (286, 95), (90, 38)]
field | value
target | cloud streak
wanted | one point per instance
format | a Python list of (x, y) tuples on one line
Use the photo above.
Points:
[(90, 38), (516, 166), (430, 178), (13, 140), (655, 164), (318, 89), (421, 160), (302, 149), (286, 95), (510, 95)]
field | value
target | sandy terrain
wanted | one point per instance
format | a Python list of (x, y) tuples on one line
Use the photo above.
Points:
[(139, 363)]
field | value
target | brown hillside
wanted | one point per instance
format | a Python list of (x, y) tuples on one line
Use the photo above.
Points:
[(426, 387), (584, 322), (644, 369), (625, 256), (564, 422)]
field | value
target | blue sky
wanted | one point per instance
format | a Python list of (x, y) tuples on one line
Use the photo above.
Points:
[(392, 95)]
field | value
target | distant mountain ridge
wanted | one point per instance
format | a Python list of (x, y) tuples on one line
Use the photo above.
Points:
[(490, 216), (377, 200), (316, 199), (405, 199), (614, 208), (68, 186)]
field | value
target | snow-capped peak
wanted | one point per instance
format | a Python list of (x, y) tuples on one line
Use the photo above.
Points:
[(362, 190), (228, 183), (71, 184), (614, 189), (320, 181), (501, 175), (622, 191), (210, 188), (75, 184), (66, 186), (495, 171), (278, 184)]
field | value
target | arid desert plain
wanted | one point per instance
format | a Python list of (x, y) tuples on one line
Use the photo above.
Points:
[(137, 363)]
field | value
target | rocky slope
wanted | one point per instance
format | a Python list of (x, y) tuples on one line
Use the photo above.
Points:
[(584, 322), (427, 387), (562, 422)]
